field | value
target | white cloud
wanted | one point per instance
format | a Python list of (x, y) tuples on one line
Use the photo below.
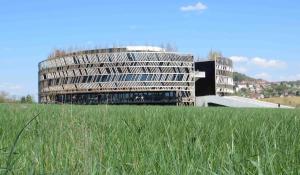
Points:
[(241, 69), (264, 76), (262, 62), (239, 59), (290, 77), (259, 61), (196, 7), (9, 87)]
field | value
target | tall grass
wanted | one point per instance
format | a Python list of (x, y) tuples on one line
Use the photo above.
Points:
[(150, 140)]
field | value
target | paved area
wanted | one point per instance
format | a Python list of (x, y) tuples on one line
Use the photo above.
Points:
[(235, 101)]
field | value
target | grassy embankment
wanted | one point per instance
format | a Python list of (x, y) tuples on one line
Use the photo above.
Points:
[(149, 140), (290, 101)]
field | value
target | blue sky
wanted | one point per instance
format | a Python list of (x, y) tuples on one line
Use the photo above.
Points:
[(262, 37)]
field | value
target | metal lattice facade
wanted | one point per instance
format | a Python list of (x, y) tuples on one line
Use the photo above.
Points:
[(224, 76), (118, 76), (218, 79)]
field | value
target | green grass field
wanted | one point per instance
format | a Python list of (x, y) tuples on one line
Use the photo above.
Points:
[(149, 140)]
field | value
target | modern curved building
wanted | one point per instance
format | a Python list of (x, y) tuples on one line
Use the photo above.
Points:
[(128, 75)]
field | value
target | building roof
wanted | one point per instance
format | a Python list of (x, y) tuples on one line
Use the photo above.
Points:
[(145, 48), (60, 53)]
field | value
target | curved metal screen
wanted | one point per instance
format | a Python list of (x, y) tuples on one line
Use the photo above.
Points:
[(117, 78)]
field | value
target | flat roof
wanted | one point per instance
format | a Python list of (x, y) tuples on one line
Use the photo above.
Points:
[(145, 48), (110, 50)]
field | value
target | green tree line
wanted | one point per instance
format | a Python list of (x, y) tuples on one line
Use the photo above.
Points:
[(6, 98)]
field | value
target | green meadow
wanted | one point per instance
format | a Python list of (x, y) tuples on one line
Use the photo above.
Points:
[(65, 139)]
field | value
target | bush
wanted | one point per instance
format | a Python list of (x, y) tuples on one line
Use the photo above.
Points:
[(27, 99), (5, 98)]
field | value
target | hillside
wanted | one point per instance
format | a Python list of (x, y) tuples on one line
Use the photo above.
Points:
[(292, 82), (238, 77), (258, 87), (290, 101)]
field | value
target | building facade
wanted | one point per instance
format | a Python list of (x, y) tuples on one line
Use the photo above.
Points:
[(218, 78), (129, 75), (132, 75), (224, 76)]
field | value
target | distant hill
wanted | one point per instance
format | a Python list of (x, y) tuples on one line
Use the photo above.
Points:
[(297, 82), (238, 77), (268, 89)]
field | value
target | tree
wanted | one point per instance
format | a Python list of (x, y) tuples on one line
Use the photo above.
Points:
[(280, 89), (298, 93), (214, 55), (169, 47), (57, 53), (23, 99), (238, 77), (268, 92), (3, 97), (27, 99)]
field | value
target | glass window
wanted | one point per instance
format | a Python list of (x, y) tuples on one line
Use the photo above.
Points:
[(84, 79), (120, 77), (123, 78), (108, 78), (174, 77), (98, 78), (128, 77), (144, 77), (166, 79), (160, 78), (150, 77), (89, 79), (113, 77), (179, 77), (137, 77), (167, 94), (104, 78), (119, 70), (129, 57), (154, 77)]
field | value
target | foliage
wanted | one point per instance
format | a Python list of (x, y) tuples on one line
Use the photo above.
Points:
[(150, 140), (169, 47), (243, 93), (239, 77), (214, 55), (281, 89), (3, 97), (6, 98), (271, 89), (57, 53), (27, 99)]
